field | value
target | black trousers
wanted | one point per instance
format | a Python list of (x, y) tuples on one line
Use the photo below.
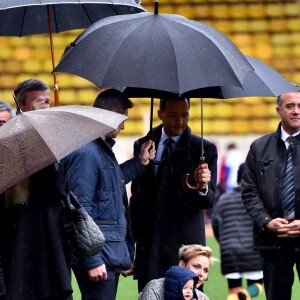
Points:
[(100, 290), (278, 269)]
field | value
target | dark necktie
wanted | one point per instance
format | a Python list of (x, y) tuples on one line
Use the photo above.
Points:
[(166, 154), (288, 187)]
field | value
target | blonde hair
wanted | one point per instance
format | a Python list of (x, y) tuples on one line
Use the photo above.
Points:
[(187, 252)]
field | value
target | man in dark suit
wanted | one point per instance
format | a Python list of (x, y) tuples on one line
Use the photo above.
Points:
[(165, 213)]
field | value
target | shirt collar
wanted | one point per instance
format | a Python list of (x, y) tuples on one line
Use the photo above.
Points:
[(164, 137), (285, 135)]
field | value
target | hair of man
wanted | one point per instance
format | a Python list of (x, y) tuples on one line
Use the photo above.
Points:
[(25, 86), (113, 100), (163, 101)]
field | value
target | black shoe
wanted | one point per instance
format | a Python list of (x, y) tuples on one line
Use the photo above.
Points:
[(242, 296)]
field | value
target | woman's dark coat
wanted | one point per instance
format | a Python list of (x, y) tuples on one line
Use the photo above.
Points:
[(166, 216), (34, 253), (233, 228)]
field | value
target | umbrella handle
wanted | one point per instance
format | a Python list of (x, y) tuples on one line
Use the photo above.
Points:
[(186, 179)]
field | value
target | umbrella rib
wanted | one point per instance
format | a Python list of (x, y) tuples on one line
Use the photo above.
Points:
[(54, 18), (88, 16), (23, 20)]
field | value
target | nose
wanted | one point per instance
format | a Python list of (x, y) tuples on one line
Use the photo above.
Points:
[(122, 126)]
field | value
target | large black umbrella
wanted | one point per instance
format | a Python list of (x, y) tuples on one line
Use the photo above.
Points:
[(162, 52), (27, 17)]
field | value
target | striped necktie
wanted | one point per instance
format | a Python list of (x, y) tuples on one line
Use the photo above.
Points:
[(288, 187)]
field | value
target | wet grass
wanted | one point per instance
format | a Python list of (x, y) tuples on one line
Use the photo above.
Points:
[(215, 287)]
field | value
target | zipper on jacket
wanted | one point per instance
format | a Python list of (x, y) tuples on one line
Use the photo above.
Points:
[(108, 222)]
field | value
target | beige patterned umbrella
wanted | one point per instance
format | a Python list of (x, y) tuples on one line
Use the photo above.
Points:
[(33, 140)]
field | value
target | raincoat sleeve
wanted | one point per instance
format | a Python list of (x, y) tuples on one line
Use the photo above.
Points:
[(132, 168)]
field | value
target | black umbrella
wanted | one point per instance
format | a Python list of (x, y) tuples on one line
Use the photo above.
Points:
[(28, 17), (154, 53), (161, 52)]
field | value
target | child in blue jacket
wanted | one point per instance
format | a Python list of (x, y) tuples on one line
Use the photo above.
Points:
[(180, 284)]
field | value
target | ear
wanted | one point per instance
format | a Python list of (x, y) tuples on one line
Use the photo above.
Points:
[(181, 263), (278, 111), (159, 113)]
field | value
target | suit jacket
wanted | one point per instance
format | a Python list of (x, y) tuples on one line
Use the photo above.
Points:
[(168, 215)]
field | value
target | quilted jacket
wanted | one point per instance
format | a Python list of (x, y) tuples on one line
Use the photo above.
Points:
[(99, 182)]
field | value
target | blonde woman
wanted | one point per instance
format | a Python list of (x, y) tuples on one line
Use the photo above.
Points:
[(196, 258)]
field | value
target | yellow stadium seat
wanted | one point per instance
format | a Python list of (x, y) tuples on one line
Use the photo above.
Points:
[(6, 53), (240, 26), (293, 24), (179, 2), (38, 40), (275, 10), (185, 10), (47, 78), (282, 51), (240, 126), (281, 63), (68, 97), (86, 96), (6, 95), (42, 53), (280, 39), (219, 11), (261, 37), (22, 53), (208, 110), (12, 66), (65, 80), (296, 77), (167, 9), (292, 9), (295, 50), (223, 110), (263, 52), (272, 108), (242, 38), (272, 124), (223, 26), (257, 11), (258, 25), (201, 11), (32, 66), (221, 126), (296, 62), (79, 82), (278, 25), (260, 110), (8, 81), (294, 37), (259, 126), (250, 100), (16, 41), (241, 110), (239, 11)]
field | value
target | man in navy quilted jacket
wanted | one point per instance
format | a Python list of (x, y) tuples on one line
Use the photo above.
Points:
[(99, 182)]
